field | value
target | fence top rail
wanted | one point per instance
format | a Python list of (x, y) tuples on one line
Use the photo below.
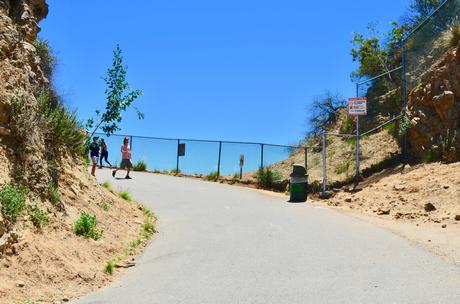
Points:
[(206, 141), (382, 125), (340, 135), (379, 76), (404, 40)]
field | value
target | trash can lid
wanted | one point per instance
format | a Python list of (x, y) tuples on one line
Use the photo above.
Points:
[(298, 171)]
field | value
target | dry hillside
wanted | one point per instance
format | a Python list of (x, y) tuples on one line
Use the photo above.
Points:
[(340, 159), (44, 186), (421, 203)]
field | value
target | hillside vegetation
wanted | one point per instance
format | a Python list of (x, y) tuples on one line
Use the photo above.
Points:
[(58, 227)]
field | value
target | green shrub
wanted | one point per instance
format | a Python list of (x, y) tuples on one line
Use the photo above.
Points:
[(107, 185), (135, 243), (455, 36), (140, 166), (266, 177), (351, 141), (109, 267), (47, 58), (86, 226), (391, 128), (148, 228), (38, 217), (63, 129), (175, 171), (342, 168), (347, 126), (12, 199), (157, 171), (213, 176), (405, 125), (55, 196), (145, 210), (105, 206), (429, 156), (447, 142), (126, 196)]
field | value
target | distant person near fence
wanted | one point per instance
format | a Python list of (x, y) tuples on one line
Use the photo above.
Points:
[(104, 153), (126, 159), (94, 154)]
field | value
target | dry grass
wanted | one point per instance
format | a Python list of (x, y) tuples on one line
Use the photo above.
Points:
[(341, 157)]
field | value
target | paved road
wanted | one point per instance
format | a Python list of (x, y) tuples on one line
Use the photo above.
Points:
[(220, 244)]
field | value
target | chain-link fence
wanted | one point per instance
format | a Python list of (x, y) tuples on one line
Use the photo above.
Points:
[(381, 139), (204, 157), (356, 150), (429, 42)]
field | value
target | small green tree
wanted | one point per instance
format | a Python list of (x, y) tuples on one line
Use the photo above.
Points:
[(120, 97)]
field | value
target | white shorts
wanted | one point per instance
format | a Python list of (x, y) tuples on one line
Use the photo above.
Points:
[(94, 159)]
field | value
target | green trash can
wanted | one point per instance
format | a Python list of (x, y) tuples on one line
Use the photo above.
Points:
[(299, 184)]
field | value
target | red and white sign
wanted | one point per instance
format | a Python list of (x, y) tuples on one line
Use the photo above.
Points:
[(357, 106)]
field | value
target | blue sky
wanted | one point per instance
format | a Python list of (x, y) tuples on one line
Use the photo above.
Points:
[(231, 70)]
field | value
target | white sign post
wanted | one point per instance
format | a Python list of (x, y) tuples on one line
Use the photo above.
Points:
[(357, 107)]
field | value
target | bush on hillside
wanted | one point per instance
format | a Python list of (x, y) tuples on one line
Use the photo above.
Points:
[(38, 217), (140, 166), (63, 129), (48, 60), (266, 177), (455, 36), (86, 226), (12, 200), (213, 176)]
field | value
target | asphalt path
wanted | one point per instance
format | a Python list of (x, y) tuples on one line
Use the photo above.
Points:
[(222, 244)]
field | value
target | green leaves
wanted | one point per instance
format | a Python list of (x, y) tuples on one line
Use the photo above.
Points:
[(86, 226), (119, 95), (376, 53), (12, 201)]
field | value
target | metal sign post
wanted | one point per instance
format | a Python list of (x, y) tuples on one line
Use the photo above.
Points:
[(241, 165), (218, 161), (357, 107), (261, 156), (180, 152), (324, 163), (357, 150)]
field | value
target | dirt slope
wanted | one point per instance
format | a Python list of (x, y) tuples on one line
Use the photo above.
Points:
[(51, 264), (402, 199)]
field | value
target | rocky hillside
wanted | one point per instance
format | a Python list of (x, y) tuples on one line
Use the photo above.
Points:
[(21, 79), (434, 110), (45, 189)]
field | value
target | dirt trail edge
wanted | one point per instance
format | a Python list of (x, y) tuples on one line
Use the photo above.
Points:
[(224, 244)]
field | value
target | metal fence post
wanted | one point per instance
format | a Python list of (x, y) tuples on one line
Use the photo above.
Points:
[(324, 163), (306, 158), (177, 163), (218, 161), (261, 156), (357, 149), (357, 140), (404, 93)]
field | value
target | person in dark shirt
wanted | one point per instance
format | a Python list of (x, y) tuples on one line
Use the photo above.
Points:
[(94, 154), (104, 153)]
